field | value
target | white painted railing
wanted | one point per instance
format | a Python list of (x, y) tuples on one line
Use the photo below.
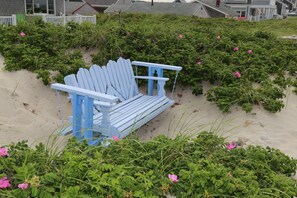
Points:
[(8, 20), (62, 20)]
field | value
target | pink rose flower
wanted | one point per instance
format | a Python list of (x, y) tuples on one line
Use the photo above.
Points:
[(4, 183), (250, 51), (23, 186), (115, 138), (236, 49), (22, 34), (237, 74), (231, 146), (199, 62), (180, 36), (173, 178), (3, 152)]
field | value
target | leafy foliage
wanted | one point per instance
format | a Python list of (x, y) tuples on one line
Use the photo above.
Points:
[(204, 47), (129, 168)]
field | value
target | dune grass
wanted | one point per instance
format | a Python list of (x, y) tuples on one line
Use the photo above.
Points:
[(285, 27)]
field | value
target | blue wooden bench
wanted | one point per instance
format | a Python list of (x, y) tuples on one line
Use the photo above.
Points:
[(106, 99)]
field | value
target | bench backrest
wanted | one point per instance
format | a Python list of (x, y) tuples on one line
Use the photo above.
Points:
[(116, 78)]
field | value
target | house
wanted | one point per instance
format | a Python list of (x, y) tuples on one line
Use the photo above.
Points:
[(87, 7), (291, 4), (187, 9), (100, 5), (217, 9), (158, 8), (253, 10), (79, 7), (9, 7), (53, 7), (281, 7), (119, 6)]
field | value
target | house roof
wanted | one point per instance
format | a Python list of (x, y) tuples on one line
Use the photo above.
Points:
[(119, 6), (100, 3), (79, 8), (169, 8), (222, 8), (288, 2), (282, 3)]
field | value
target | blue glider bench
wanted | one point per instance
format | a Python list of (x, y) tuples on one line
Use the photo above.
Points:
[(106, 99)]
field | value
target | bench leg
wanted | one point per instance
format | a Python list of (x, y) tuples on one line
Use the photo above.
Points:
[(88, 119), (77, 115)]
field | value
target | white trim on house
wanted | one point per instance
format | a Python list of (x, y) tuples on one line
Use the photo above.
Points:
[(226, 15)]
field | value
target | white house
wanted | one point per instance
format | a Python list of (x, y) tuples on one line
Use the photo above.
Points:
[(253, 10)]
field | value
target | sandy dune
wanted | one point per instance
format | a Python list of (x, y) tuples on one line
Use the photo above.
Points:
[(29, 110)]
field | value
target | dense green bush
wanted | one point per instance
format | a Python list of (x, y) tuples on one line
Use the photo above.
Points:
[(129, 168), (213, 50)]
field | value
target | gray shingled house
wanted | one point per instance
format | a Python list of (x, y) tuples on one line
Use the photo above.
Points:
[(54, 7), (254, 10), (87, 7), (9, 7), (198, 9), (217, 8)]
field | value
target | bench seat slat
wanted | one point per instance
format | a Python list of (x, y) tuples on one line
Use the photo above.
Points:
[(118, 112), (142, 114), (127, 131)]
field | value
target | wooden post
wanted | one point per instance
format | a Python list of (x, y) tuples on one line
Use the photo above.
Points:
[(14, 19), (105, 122), (88, 119), (151, 71), (160, 73), (161, 90), (77, 115)]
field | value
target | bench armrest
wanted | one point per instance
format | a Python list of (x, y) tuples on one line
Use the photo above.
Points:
[(105, 99), (156, 65), (151, 78)]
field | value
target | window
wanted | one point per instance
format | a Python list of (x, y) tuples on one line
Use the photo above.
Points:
[(40, 6), (29, 6), (51, 7), (241, 13)]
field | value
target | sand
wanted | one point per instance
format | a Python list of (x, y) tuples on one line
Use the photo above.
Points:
[(194, 114), (30, 111)]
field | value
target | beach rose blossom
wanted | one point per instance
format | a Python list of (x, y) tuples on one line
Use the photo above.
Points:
[(250, 51), (199, 62), (237, 74), (231, 146), (3, 152), (115, 138), (23, 186), (173, 178), (4, 183), (180, 36), (22, 34), (236, 49)]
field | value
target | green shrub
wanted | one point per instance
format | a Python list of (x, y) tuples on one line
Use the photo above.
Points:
[(129, 168), (204, 47)]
